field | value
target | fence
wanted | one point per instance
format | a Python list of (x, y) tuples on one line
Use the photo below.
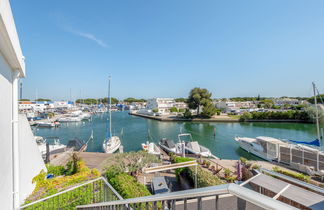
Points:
[(94, 191)]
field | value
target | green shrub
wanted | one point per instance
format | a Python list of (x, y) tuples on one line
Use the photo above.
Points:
[(243, 160), (55, 170), (295, 175), (246, 116), (126, 185), (227, 172), (173, 109), (187, 114), (204, 177)]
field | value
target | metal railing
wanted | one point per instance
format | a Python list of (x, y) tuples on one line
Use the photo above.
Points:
[(94, 191), (194, 199)]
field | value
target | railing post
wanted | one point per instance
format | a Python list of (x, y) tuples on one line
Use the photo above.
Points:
[(199, 203)]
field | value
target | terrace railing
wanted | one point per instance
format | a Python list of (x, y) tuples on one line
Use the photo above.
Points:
[(215, 197), (94, 191)]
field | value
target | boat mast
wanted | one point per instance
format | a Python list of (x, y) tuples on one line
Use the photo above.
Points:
[(317, 117), (109, 107)]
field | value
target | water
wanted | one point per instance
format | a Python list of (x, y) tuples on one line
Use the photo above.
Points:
[(135, 132)]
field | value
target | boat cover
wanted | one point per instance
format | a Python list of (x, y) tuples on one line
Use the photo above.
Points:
[(316, 142)]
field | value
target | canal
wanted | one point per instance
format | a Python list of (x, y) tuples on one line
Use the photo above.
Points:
[(135, 132)]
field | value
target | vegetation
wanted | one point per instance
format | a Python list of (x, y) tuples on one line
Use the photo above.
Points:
[(131, 162), (43, 99), (286, 115), (311, 111), (105, 100), (246, 116), (320, 99), (198, 97), (204, 177), (209, 110), (63, 180), (295, 175), (131, 100), (181, 100), (173, 109), (243, 160), (156, 110), (24, 99), (187, 114), (126, 185)]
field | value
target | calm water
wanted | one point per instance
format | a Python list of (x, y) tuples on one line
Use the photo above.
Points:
[(222, 144)]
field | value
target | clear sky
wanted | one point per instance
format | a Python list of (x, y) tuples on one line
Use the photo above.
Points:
[(163, 48)]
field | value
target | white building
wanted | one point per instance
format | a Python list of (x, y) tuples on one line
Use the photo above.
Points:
[(162, 104), (230, 106), (63, 104), (288, 101), (20, 160)]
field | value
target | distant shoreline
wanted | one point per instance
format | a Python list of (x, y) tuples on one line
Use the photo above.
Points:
[(230, 120)]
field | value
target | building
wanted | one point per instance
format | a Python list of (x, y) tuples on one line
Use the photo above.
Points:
[(20, 159), (234, 106), (163, 105), (286, 101)]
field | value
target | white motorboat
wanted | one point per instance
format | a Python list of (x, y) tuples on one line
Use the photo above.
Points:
[(169, 146), (151, 148), (262, 146), (111, 143), (42, 124), (290, 152), (70, 119), (193, 147), (54, 147)]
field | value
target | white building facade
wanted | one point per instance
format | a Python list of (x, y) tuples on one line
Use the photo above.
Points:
[(18, 167), (163, 105)]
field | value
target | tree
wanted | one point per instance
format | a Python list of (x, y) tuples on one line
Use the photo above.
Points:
[(155, 110), (113, 100), (198, 97), (187, 114), (209, 110), (25, 99), (180, 100), (43, 99), (173, 109), (131, 100), (246, 116)]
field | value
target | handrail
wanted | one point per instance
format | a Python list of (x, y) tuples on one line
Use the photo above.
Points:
[(73, 188), (293, 180), (241, 192)]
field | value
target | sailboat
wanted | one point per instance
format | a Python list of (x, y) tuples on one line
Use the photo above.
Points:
[(111, 143)]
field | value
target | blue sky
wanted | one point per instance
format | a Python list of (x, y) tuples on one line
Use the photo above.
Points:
[(163, 48)]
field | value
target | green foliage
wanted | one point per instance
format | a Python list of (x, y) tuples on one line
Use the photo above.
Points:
[(285, 115), (209, 110), (198, 97), (246, 116), (295, 175), (182, 110), (311, 111), (319, 98), (46, 187), (24, 99), (187, 114), (243, 160), (155, 110), (126, 185), (105, 100), (204, 178), (87, 101), (131, 162), (131, 100), (43, 99), (256, 166), (181, 100), (173, 109), (55, 170), (227, 172)]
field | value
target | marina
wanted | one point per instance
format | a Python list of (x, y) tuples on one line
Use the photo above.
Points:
[(135, 128)]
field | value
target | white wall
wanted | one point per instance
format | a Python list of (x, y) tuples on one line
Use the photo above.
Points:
[(6, 180), (31, 162)]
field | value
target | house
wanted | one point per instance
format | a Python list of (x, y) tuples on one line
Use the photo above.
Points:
[(20, 158), (163, 105), (234, 106)]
